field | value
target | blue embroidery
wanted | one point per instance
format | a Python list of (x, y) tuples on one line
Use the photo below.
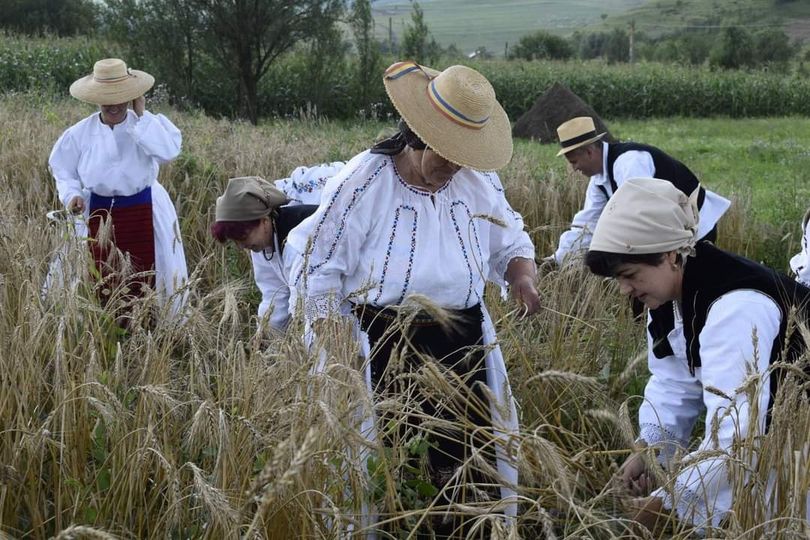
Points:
[(412, 189), (470, 268), (391, 240), (356, 193)]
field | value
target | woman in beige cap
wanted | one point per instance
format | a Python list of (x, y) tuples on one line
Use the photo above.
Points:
[(729, 314), (416, 215), (106, 167), (258, 216)]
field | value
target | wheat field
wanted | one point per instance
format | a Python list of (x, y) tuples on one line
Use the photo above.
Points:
[(206, 429)]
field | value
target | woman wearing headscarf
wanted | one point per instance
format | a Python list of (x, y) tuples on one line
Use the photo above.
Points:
[(729, 314), (255, 215), (106, 167), (415, 216)]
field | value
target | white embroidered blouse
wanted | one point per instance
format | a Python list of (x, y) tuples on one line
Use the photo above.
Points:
[(376, 239)]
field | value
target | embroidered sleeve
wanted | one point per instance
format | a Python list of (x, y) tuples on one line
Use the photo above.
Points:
[(507, 237), (339, 229)]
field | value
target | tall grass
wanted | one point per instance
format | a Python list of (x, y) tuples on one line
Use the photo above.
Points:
[(206, 430)]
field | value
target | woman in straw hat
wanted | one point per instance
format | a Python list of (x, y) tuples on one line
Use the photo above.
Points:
[(731, 317), (106, 168), (257, 215), (415, 217)]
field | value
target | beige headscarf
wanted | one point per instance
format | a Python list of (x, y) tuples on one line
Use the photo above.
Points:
[(648, 215), (247, 198)]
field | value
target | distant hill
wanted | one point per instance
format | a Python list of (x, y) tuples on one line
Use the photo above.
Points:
[(470, 24), (658, 17)]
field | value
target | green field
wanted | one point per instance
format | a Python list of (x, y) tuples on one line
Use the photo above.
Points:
[(474, 23)]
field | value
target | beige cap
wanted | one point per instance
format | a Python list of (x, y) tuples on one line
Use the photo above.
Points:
[(247, 198), (648, 215)]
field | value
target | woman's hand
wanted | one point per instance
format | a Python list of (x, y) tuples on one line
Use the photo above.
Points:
[(139, 105), (520, 275), (76, 205), (634, 476), (648, 512), (525, 294)]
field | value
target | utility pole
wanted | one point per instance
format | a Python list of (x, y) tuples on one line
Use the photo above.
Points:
[(631, 52), (390, 37)]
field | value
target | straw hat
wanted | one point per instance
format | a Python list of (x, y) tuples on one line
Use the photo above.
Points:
[(111, 83), (247, 198), (579, 131), (454, 112)]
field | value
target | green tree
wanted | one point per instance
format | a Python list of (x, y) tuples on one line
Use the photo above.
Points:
[(416, 44), (734, 49), (773, 48), (542, 45), (166, 35), (617, 46), (61, 17), (368, 51)]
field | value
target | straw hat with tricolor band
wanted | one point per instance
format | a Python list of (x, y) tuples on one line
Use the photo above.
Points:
[(577, 132), (111, 83), (454, 112)]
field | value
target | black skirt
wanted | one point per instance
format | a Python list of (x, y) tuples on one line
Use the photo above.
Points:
[(401, 343)]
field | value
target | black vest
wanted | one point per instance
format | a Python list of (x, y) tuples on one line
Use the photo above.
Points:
[(288, 218), (710, 275), (666, 168)]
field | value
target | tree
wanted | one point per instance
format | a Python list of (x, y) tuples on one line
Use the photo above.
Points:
[(249, 35), (617, 46), (166, 34), (415, 44), (542, 45), (62, 17), (734, 49), (773, 48), (368, 50)]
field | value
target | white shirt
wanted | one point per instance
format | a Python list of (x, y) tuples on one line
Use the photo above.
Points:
[(630, 164), (120, 161), (376, 239), (800, 263), (701, 492)]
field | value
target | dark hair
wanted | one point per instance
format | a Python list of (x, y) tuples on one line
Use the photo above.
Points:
[(603, 263), (233, 230), (395, 144)]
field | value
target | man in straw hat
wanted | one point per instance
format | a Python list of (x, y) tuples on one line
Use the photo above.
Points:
[(729, 318), (608, 165), (106, 168), (414, 222), (258, 216)]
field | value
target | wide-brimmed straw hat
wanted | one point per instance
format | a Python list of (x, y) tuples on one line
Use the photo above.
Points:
[(577, 132), (454, 112), (247, 198), (111, 83)]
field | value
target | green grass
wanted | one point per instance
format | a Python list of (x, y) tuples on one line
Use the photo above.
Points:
[(766, 159)]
